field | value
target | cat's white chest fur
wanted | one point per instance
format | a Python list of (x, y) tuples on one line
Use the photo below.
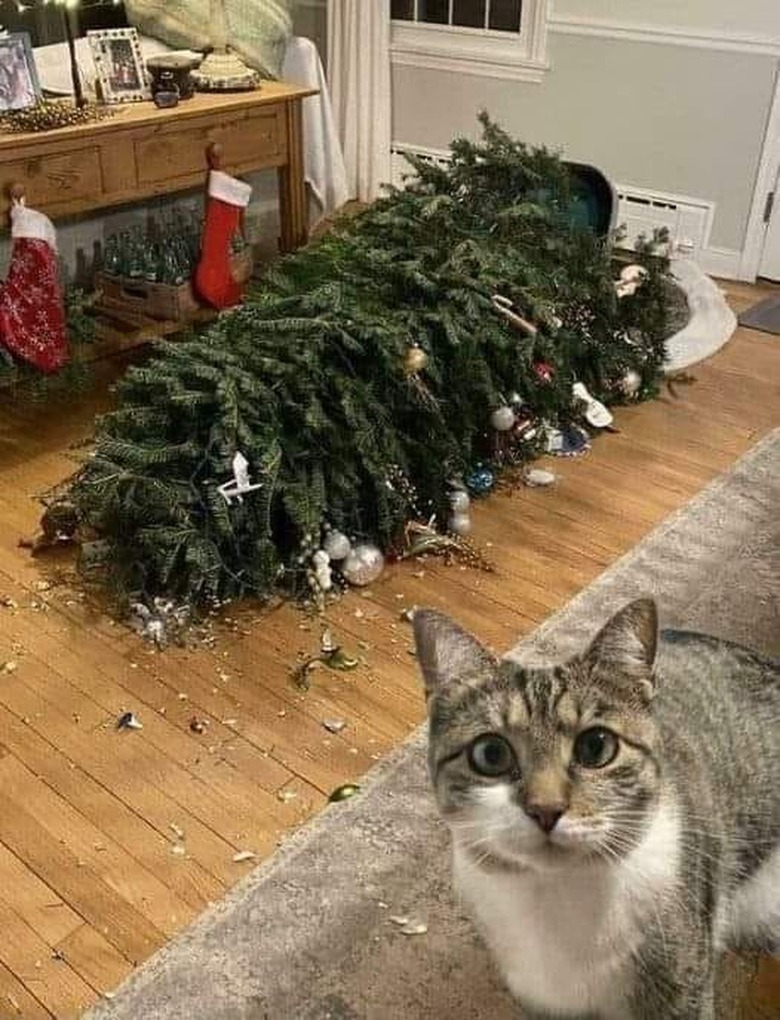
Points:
[(563, 939)]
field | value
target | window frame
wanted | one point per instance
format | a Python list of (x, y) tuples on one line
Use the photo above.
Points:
[(488, 53)]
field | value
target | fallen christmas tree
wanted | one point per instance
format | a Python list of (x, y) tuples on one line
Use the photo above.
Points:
[(362, 380)]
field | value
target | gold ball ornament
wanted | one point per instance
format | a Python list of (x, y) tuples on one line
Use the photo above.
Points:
[(415, 360)]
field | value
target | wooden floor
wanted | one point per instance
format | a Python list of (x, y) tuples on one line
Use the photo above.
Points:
[(111, 842)]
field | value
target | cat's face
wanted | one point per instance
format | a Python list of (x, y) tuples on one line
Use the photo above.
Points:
[(543, 768)]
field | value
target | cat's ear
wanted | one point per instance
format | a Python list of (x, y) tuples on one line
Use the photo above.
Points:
[(626, 646), (447, 654)]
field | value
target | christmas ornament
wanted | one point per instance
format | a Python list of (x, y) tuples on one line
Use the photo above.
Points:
[(481, 480), (216, 279), (524, 428), (459, 501), (422, 539), (159, 621), (32, 309), (567, 441), (415, 360), (538, 477), (631, 278), (336, 544), (594, 412), (239, 485), (505, 307), (60, 521), (363, 565), (459, 524), (631, 383), (323, 575), (503, 418), (334, 725), (544, 371), (129, 721), (330, 655), (344, 792)]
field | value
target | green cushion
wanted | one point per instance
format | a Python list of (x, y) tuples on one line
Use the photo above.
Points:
[(259, 30)]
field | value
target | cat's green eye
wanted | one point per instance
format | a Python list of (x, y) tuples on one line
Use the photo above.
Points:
[(491, 756), (596, 747)]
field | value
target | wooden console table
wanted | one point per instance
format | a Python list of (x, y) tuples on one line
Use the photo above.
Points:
[(141, 152)]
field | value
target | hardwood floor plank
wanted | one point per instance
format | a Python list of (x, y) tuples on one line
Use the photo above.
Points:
[(54, 862), (16, 1001), (50, 982), (93, 957), (36, 903), (150, 846)]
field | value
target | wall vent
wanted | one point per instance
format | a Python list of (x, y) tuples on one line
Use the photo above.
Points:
[(399, 168), (688, 220)]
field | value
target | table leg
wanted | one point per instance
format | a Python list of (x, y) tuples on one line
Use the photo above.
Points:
[(293, 211)]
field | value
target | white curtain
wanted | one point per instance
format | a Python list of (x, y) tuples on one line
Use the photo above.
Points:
[(359, 78)]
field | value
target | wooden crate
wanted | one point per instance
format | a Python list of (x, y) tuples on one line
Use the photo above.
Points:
[(122, 298)]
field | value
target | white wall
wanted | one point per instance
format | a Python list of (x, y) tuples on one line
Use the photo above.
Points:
[(744, 17), (650, 112)]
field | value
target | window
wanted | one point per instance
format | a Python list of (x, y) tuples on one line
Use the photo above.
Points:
[(495, 38)]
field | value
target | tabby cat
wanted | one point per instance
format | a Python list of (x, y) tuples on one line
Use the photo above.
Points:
[(615, 819)]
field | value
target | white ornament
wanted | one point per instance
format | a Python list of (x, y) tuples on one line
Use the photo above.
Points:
[(364, 564), (459, 501), (323, 575), (459, 524), (631, 383), (337, 545), (538, 477), (633, 273), (503, 418), (595, 412), (239, 484), (631, 278)]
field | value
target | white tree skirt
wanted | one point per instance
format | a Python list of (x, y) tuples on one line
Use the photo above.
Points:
[(712, 322)]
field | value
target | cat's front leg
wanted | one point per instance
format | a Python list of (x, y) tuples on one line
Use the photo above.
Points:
[(676, 982)]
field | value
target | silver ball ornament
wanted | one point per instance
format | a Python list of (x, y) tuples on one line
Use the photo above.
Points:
[(337, 545), (503, 418), (631, 383), (363, 565), (459, 501), (459, 524)]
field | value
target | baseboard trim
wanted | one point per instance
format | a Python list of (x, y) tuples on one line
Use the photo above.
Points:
[(704, 39), (722, 262)]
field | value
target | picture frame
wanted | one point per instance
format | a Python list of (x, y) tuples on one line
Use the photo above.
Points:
[(119, 66), (19, 85)]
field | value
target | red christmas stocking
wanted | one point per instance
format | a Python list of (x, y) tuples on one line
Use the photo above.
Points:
[(215, 281), (32, 312)]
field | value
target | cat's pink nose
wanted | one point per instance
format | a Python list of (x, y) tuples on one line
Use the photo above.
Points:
[(546, 817)]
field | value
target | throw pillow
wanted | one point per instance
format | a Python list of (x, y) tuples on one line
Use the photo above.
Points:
[(258, 30)]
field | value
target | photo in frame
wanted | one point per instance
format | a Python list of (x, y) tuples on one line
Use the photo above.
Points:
[(119, 66), (19, 86)]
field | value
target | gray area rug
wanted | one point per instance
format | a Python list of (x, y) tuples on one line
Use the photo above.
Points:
[(308, 935), (764, 316)]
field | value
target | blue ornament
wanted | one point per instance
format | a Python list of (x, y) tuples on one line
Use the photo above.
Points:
[(481, 480)]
